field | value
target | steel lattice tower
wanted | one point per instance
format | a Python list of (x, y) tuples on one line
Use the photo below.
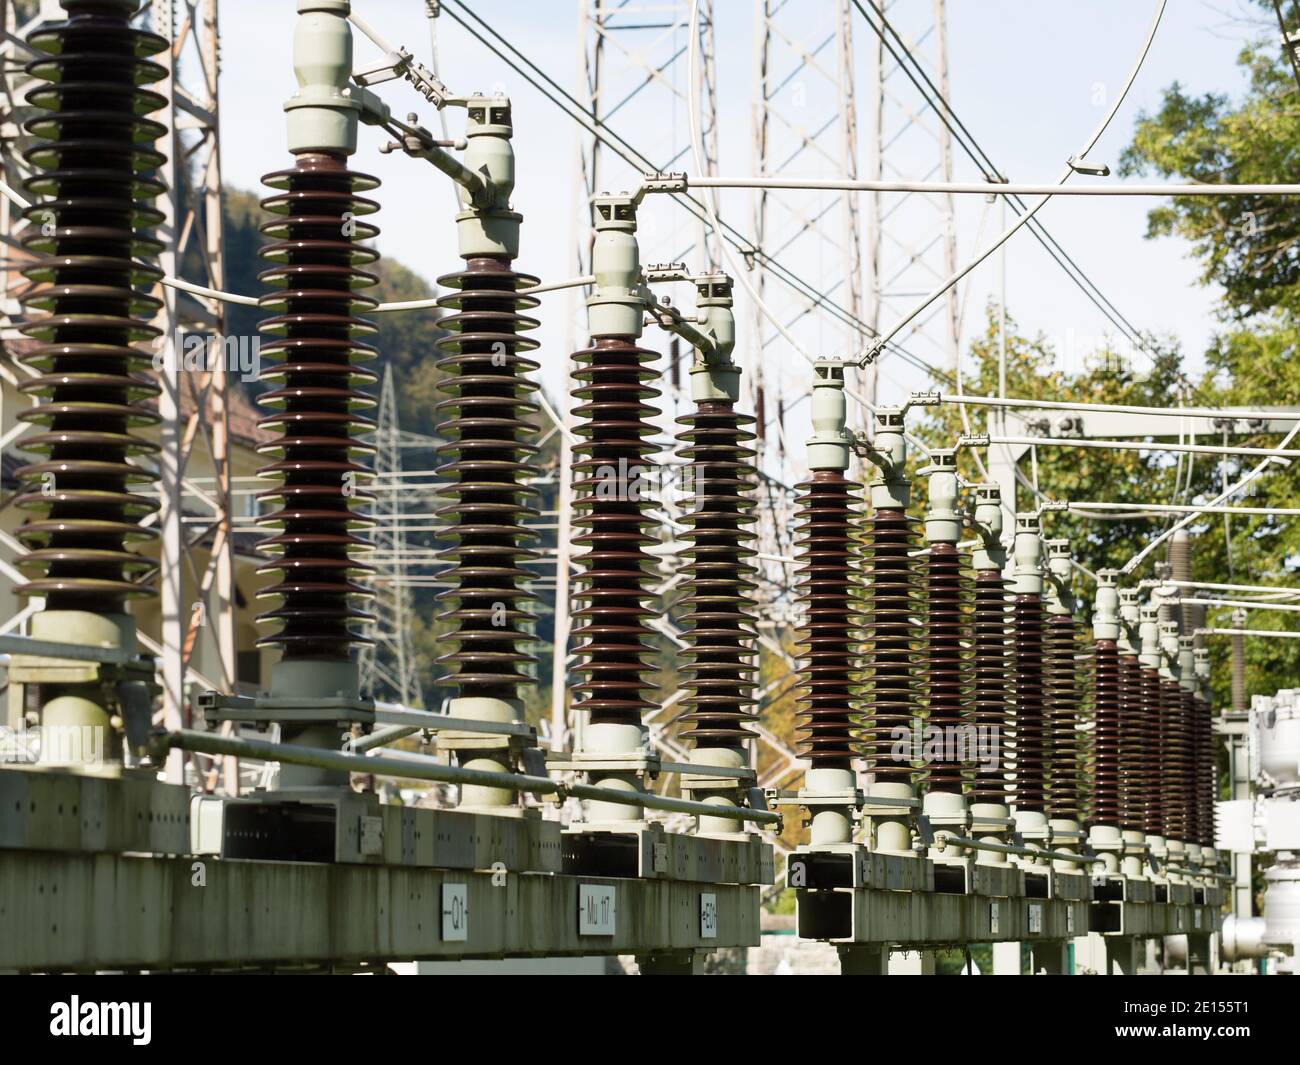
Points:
[(912, 237), (195, 572), (388, 666)]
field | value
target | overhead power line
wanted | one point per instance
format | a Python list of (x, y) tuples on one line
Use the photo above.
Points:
[(496, 43)]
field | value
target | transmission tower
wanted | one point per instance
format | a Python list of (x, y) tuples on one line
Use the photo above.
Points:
[(912, 237), (804, 124), (388, 665), (196, 561)]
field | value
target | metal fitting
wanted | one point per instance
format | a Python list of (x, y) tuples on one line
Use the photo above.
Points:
[(488, 227), (1059, 589), (890, 489), (942, 518), (714, 377), (1186, 663), (1105, 618), (1168, 649), (1129, 640), (323, 113), (830, 445), (1028, 555), (987, 523), (1149, 636), (615, 307)]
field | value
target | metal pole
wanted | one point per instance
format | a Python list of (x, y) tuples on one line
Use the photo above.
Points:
[(170, 461), (418, 767)]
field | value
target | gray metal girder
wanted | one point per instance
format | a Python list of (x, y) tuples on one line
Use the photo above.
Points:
[(910, 919), (67, 911)]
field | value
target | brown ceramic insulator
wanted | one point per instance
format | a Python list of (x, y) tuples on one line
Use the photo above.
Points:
[(1132, 745), (488, 423), (1207, 773), (1028, 651), (1107, 774), (1198, 793), (891, 648), (1175, 770), (1062, 712), (1191, 745), (313, 354), (992, 667), (948, 665), (1191, 759), (1182, 745), (828, 585), (87, 230), (1153, 738), (719, 609), (612, 482)]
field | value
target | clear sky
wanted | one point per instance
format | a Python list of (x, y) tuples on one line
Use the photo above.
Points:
[(1030, 78)]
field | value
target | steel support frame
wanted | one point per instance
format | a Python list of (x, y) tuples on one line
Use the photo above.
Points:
[(804, 121), (192, 223), (118, 870), (912, 242), (387, 667), (118, 912)]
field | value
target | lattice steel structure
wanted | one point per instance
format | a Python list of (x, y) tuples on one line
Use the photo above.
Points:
[(804, 122), (911, 238), (195, 572), (388, 665), (194, 405)]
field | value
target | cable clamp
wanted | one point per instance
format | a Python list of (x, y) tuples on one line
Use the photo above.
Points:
[(673, 181), (872, 352), (1082, 166)]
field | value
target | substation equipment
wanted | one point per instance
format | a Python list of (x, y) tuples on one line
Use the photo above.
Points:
[(1010, 832), (1261, 825), (974, 828)]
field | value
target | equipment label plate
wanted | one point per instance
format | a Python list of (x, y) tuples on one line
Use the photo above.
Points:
[(371, 841), (455, 913), (708, 915), (597, 909), (993, 918), (1035, 917)]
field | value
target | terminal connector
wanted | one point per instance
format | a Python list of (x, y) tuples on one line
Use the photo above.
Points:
[(674, 181)]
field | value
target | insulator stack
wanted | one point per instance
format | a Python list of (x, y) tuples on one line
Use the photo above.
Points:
[(1153, 714), (1190, 745), (719, 620), (1107, 773), (1062, 713), (1207, 774), (891, 608), (487, 423), (316, 247), (610, 503), (1197, 795), (1133, 741), (828, 591), (86, 233), (1176, 770), (1027, 658), (992, 682), (948, 662)]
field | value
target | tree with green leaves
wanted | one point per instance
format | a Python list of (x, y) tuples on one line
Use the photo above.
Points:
[(1249, 247)]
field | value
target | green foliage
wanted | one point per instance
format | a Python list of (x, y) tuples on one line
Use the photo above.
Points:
[(1074, 474), (1247, 244), (1251, 248)]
